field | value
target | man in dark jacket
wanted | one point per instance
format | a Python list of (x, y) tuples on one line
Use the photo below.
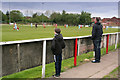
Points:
[(57, 46), (96, 37)]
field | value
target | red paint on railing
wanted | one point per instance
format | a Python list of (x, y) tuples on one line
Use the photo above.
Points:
[(75, 54), (107, 44)]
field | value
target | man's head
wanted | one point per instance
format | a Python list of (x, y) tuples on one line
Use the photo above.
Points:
[(57, 30), (96, 19)]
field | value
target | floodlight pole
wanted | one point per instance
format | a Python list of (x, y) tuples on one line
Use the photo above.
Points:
[(42, 12), (9, 12)]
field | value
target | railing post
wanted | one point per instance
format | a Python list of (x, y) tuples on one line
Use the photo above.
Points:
[(18, 48), (78, 46), (75, 55), (0, 61), (104, 41), (44, 59), (107, 44), (116, 40)]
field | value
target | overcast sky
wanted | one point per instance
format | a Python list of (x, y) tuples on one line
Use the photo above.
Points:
[(97, 9), (60, 0)]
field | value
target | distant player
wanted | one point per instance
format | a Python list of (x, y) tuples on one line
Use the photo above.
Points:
[(31, 24), (79, 26), (43, 25), (56, 25), (103, 27), (15, 27), (36, 25), (106, 27), (65, 25)]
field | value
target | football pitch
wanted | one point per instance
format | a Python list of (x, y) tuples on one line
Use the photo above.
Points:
[(27, 32)]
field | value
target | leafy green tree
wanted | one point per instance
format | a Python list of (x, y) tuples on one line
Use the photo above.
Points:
[(88, 18), (34, 15), (71, 19), (85, 18), (16, 16), (44, 18), (56, 18), (8, 16), (63, 18), (3, 17), (60, 18)]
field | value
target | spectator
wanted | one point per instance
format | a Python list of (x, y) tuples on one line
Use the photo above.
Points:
[(97, 32), (57, 46)]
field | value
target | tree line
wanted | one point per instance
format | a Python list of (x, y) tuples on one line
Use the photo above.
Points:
[(55, 18)]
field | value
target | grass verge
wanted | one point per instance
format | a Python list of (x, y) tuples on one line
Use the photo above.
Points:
[(113, 74)]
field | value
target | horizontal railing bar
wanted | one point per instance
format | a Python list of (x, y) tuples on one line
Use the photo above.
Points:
[(34, 40)]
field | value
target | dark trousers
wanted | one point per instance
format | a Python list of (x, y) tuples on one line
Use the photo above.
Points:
[(97, 49), (58, 60)]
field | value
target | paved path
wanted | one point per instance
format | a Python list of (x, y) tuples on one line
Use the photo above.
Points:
[(94, 70)]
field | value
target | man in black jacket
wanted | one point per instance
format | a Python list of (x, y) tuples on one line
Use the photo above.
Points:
[(57, 46), (96, 37)]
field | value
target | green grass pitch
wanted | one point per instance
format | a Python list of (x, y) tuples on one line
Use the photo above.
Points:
[(26, 32)]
